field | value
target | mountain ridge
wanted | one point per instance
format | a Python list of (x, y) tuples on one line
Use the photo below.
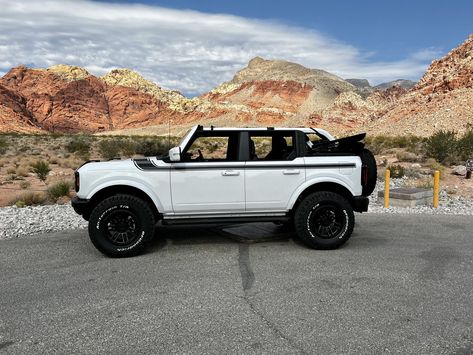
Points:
[(66, 98)]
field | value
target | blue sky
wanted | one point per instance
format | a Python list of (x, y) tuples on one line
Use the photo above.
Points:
[(193, 46), (389, 29)]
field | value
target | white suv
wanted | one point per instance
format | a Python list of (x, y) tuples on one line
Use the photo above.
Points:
[(301, 177)]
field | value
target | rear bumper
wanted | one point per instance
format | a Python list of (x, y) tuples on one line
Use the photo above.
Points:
[(81, 206), (360, 203)]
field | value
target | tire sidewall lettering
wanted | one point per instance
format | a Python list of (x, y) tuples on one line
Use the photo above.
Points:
[(108, 210)]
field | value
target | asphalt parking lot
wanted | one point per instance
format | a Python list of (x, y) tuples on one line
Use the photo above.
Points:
[(402, 284)]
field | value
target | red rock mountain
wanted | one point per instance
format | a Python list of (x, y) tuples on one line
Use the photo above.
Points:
[(267, 92)]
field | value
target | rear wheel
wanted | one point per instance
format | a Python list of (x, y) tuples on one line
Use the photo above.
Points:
[(324, 220), (121, 225)]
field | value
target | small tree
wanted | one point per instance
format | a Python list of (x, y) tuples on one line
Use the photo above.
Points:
[(41, 169), (441, 145)]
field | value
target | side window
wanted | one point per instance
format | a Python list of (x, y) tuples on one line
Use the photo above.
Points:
[(209, 148), (311, 140), (272, 147)]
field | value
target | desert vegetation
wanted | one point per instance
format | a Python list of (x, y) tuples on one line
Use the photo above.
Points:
[(38, 169)]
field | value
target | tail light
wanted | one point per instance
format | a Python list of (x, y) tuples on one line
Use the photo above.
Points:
[(364, 175), (76, 181)]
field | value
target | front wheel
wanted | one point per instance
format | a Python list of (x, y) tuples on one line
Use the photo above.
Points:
[(324, 220), (121, 225)]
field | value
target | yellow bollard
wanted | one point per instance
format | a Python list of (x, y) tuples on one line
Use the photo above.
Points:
[(436, 188), (387, 179)]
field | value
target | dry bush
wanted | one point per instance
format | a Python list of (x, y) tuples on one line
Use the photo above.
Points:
[(22, 171), (29, 199), (25, 185), (405, 156)]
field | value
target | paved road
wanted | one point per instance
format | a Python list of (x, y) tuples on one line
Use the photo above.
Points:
[(403, 284)]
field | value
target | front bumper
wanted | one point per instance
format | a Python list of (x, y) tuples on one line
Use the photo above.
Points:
[(81, 206), (360, 203)]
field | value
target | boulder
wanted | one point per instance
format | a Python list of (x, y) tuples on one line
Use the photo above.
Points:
[(459, 170)]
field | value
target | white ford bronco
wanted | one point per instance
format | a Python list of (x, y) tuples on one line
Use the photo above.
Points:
[(300, 177)]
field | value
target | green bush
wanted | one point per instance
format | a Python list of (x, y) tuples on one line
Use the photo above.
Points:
[(465, 146), (41, 169), (151, 147), (441, 145), (80, 146), (127, 147), (59, 189), (397, 171), (109, 149), (3, 145)]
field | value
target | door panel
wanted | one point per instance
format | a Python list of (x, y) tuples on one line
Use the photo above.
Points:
[(270, 184), (208, 187)]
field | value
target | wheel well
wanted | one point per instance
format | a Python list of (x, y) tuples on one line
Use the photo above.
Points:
[(123, 190), (325, 186)]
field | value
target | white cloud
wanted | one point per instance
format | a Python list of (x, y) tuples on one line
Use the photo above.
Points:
[(180, 49)]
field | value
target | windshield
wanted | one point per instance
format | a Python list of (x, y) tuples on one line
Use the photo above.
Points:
[(184, 137)]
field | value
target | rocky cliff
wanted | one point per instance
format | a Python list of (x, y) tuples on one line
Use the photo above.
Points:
[(267, 92)]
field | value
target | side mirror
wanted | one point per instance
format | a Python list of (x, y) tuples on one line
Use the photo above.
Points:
[(175, 154)]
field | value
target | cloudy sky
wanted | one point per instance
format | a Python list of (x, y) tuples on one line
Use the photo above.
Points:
[(193, 46)]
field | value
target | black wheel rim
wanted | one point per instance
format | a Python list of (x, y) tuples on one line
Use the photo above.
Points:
[(327, 222), (121, 227)]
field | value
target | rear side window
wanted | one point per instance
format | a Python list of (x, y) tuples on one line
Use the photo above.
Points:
[(277, 146)]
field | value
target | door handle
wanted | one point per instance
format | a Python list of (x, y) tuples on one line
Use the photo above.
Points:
[(291, 171), (230, 173)]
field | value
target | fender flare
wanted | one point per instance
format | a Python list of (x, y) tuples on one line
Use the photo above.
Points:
[(313, 182), (139, 186)]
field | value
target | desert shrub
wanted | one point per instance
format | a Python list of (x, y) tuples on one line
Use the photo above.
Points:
[(397, 171), (127, 147), (29, 199), (41, 169), (22, 171), (380, 144), (109, 149), (25, 184), (80, 146), (150, 147), (425, 184), (11, 170), (441, 145), (434, 166), (465, 146), (59, 189), (3, 145), (10, 177), (408, 157)]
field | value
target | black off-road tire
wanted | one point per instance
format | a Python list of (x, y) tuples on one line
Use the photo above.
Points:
[(368, 159), (121, 226), (324, 220)]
